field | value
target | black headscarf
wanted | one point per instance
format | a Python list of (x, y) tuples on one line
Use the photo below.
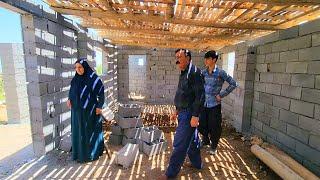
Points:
[(86, 88)]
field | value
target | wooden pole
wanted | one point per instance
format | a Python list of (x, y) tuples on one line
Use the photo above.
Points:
[(291, 163), (276, 165)]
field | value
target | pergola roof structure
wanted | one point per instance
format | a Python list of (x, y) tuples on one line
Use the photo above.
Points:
[(193, 24)]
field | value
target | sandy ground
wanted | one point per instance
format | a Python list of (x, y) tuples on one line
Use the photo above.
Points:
[(233, 161), (15, 147)]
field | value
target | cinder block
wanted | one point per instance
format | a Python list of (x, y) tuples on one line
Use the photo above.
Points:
[(309, 54), (317, 84), (286, 140), (316, 39), (300, 42), (261, 67), (126, 140), (132, 133), (289, 117), (314, 141), (281, 102), (128, 122), (115, 139), (280, 46), (273, 89), (311, 95), (279, 125), (308, 152), (129, 110), (155, 148), (127, 155), (150, 134), (116, 130), (314, 67), (298, 133), (297, 67), (291, 91), (309, 124), (289, 33), (317, 112), (281, 78), (304, 80), (266, 98), (273, 57), (309, 27), (278, 67)]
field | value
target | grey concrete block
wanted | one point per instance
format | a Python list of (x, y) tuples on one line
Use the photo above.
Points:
[(281, 78), (257, 124), (311, 95), (309, 54), (314, 67), (273, 57), (309, 27), (289, 33), (261, 58), (314, 141), (269, 131), (261, 67), (288, 56), (302, 107), (133, 133), (266, 77), (129, 110), (66, 143), (273, 89), (272, 111), (127, 155), (309, 124), (317, 112), (278, 67), (316, 39), (300, 42), (128, 122), (264, 118), (281, 102), (289, 117), (308, 152), (297, 133), (126, 140), (266, 98), (116, 130), (115, 139), (297, 67), (150, 134), (291, 91), (304, 80), (317, 83), (260, 87), (258, 106), (286, 140), (280, 46), (264, 49), (279, 125), (312, 167), (155, 148)]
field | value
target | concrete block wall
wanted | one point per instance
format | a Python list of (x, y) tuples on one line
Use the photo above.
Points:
[(162, 74), (13, 74), (286, 102), (236, 107)]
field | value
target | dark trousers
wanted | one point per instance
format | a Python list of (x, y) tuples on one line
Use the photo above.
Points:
[(183, 144), (210, 125)]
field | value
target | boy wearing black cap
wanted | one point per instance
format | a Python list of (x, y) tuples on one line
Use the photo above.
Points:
[(210, 117)]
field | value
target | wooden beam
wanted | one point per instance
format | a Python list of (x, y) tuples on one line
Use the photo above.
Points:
[(161, 20), (155, 32), (283, 2)]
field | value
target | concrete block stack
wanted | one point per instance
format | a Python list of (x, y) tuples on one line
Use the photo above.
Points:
[(152, 141), (128, 126)]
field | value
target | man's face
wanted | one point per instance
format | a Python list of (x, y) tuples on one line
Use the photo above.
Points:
[(209, 62), (182, 59)]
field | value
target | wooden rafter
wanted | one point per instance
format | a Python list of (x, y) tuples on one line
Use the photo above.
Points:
[(187, 23)]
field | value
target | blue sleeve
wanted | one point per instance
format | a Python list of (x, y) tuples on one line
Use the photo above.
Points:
[(232, 84)]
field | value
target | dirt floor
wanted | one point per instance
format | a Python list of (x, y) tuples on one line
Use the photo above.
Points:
[(233, 161)]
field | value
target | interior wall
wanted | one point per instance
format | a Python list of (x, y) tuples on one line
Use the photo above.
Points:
[(162, 74), (286, 105)]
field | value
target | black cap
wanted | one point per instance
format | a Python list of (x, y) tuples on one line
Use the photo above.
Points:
[(211, 54)]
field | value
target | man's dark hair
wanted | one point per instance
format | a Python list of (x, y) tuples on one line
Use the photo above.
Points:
[(211, 54), (187, 53)]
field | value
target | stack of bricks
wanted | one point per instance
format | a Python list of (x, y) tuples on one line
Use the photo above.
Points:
[(152, 141), (158, 115), (128, 125)]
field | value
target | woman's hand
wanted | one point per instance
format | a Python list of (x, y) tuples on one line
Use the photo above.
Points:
[(98, 111), (174, 115), (194, 121), (69, 104)]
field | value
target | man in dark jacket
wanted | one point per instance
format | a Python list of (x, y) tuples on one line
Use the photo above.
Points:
[(188, 100)]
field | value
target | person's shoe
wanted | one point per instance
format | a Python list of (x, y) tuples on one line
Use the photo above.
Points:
[(162, 177), (213, 151)]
